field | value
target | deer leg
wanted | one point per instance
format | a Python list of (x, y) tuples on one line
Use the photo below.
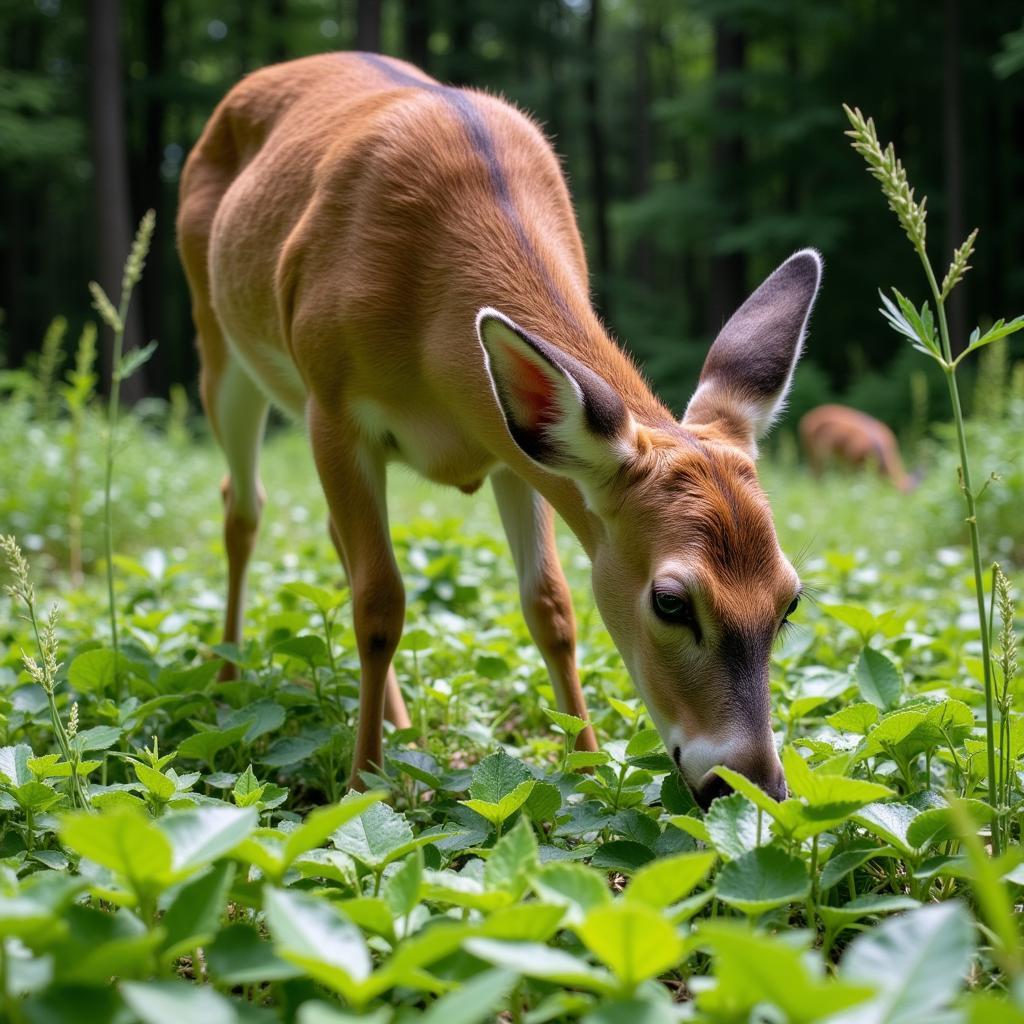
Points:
[(353, 478), (237, 410), (395, 710), (543, 592)]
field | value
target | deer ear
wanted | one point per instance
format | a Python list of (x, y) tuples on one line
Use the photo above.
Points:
[(562, 414), (747, 373)]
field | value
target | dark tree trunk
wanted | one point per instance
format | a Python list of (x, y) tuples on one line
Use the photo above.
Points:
[(953, 144), (642, 256), (597, 157), (728, 160), (416, 30), (110, 173), (154, 285), (460, 30), (368, 25), (278, 33)]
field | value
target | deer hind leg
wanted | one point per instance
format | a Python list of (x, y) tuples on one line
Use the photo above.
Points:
[(543, 590), (353, 479), (237, 410), (395, 710)]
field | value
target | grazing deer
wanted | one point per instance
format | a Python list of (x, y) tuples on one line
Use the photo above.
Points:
[(841, 434), (398, 263)]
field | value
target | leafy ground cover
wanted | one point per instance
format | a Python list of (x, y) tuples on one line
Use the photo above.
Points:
[(195, 851)]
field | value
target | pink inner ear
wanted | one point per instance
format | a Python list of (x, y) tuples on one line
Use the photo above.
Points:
[(534, 391)]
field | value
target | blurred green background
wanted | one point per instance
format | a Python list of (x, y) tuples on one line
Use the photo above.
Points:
[(702, 140)]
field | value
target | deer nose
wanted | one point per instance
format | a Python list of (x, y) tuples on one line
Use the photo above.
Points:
[(764, 771)]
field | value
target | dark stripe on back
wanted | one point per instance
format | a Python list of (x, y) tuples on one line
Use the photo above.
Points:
[(483, 145)]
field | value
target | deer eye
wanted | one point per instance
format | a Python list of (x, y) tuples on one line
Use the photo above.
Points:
[(673, 608), (793, 605)]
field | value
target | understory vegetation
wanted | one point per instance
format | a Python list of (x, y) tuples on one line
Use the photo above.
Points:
[(193, 840), (175, 847)]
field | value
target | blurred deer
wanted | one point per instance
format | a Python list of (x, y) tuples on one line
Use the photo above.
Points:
[(398, 264), (837, 433)]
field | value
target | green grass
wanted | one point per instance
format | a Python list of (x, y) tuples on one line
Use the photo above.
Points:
[(221, 871)]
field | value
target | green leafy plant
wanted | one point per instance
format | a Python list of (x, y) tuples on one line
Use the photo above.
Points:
[(121, 367), (918, 325)]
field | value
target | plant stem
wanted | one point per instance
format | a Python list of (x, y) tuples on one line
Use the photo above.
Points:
[(972, 526)]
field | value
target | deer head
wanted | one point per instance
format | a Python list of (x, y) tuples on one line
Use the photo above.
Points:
[(687, 569)]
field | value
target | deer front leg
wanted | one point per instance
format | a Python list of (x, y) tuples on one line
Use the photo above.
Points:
[(353, 478), (543, 591), (395, 710)]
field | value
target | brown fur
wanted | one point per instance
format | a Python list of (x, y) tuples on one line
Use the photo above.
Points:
[(852, 438), (340, 232)]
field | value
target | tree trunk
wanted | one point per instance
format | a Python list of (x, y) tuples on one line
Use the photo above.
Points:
[(110, 173), (642, 256), (368, 25), (953, 144), (728, 160), (278, 24), (597, 157), (151, 190), (416, 30)]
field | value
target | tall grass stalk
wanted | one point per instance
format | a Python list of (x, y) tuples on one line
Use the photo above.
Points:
[(121, 367), (44, 669), (77, 393), (919, 326)]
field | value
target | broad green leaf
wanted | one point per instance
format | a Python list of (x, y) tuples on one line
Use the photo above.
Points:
[(156, 782), (890, 822), (571, 885), (96, 671), (312, 1011), (869, 905), (623, 855), (475, 1001), (833, 796), (857, 718), (840, 864), (691, 826), (919, 961), (402, 891), (856, 617), (496, 813), (193, 917), (123, 840), (569, 724), (543, 802), (763, 879), (205, 745), (308, 648), (239, 956), (880, 681), (939, 824), (579, 759), (314, 935), (323, 821), (512, 860), (324, 600), (157, 1002), (632, 1011), (535, 960), (524, 922), (378, 836), (634, 941), (202, 835), (669, 879), (497, 776), (247, 789), (731, 824), (14, 764), (643, 742), (756, 970)]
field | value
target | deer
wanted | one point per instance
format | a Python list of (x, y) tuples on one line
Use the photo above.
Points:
[(853, 438), (397, 264)]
